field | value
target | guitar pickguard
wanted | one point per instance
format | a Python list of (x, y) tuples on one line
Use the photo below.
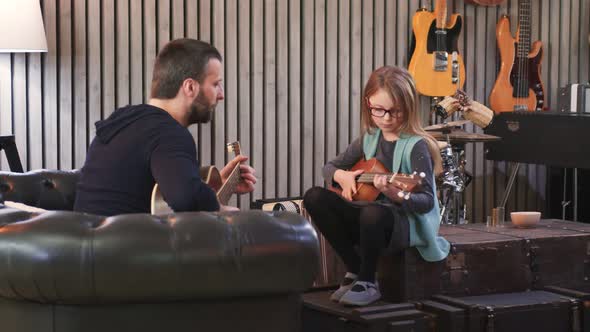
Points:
[(451, 41), (522, 89)]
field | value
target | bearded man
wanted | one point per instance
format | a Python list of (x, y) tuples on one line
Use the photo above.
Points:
[(140, 145)]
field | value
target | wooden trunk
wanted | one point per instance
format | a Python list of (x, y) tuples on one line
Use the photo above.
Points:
[(582, 299), (487, 260), (479, 263), (319, 314), (538, 311), (559, 251)]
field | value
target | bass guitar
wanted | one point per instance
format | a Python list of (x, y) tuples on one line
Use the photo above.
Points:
[(435, 62), (518, 86), (373, 167), (212, 177)]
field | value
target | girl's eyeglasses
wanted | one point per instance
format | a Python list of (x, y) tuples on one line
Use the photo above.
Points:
[(379, 112)]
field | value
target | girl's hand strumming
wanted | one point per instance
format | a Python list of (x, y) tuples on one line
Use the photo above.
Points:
[(347, 181)]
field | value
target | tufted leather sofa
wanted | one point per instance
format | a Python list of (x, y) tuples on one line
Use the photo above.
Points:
[(63, 271)]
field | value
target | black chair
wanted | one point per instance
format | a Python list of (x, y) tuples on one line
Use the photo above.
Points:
[(9, 146)]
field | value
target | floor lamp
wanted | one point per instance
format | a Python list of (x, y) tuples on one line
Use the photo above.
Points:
[(21, 31)]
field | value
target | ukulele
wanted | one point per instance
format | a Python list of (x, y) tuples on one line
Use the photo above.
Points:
[(518, 86), (373, 167), (435, 62), (485, 2), (212, 177)]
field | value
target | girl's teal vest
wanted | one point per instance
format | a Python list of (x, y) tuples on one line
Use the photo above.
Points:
[(423, 227)]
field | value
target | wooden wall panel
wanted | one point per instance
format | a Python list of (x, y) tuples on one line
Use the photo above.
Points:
[(294, 73), (80, 82)]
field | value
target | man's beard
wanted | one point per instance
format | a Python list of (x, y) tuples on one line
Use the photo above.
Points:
[(201, 110)]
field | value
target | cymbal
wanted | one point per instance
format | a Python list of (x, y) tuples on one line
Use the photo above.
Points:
[(461, 136), (450, 125)]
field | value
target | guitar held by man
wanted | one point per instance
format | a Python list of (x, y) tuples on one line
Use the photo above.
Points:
[(435, 63), (225, 182)]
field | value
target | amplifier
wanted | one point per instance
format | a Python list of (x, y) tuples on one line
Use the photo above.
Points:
[(574, 98), (331, 267)]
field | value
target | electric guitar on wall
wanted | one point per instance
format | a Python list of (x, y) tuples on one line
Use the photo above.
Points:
[(435, 62), (211, 176), (518, 86)]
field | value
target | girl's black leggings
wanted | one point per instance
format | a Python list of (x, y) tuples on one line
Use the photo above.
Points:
[(345, 225)]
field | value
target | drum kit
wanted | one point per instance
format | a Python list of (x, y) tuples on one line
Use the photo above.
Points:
[(452, 140)]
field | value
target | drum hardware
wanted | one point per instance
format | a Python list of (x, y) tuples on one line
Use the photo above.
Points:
[(454, 178), (452, 183)]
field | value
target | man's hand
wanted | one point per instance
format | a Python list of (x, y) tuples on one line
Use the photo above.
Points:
[(247, 173), (347, 181)]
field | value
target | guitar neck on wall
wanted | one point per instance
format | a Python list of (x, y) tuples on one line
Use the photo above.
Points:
[(518, 86), (435, 62), (211, 176)]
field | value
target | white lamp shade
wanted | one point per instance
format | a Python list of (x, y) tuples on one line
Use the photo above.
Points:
[(21, 26)]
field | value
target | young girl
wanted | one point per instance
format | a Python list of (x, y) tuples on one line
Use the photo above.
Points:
[(392, 134)]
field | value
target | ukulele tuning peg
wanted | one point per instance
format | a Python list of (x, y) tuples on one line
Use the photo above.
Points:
[(407, 196), (422, 175), (401, 195)]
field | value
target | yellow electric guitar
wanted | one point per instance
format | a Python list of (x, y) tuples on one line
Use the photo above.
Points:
[(435, 62), (211, 176)]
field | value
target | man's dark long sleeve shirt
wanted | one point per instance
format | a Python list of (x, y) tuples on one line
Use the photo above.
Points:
[(136, 147)]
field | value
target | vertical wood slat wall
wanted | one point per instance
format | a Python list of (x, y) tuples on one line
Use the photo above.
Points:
[(294, 72)]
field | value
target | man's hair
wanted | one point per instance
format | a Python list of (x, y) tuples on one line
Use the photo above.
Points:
[(178, 60)]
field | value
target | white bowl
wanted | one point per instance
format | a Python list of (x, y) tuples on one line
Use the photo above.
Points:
[(525, 218)]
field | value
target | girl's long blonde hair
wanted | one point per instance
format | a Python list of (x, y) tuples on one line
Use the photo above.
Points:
[(400, 86)]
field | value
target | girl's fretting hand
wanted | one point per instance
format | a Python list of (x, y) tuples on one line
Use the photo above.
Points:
[(390, 190), (347, 181)]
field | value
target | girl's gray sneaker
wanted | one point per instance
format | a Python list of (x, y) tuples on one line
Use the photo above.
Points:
[(345, 286), (361, 293)]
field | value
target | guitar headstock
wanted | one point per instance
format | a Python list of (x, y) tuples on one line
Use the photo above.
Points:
[(234, 147), (408, 183), (440, 11)]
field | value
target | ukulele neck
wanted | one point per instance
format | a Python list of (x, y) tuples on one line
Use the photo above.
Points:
[(369, 177)]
